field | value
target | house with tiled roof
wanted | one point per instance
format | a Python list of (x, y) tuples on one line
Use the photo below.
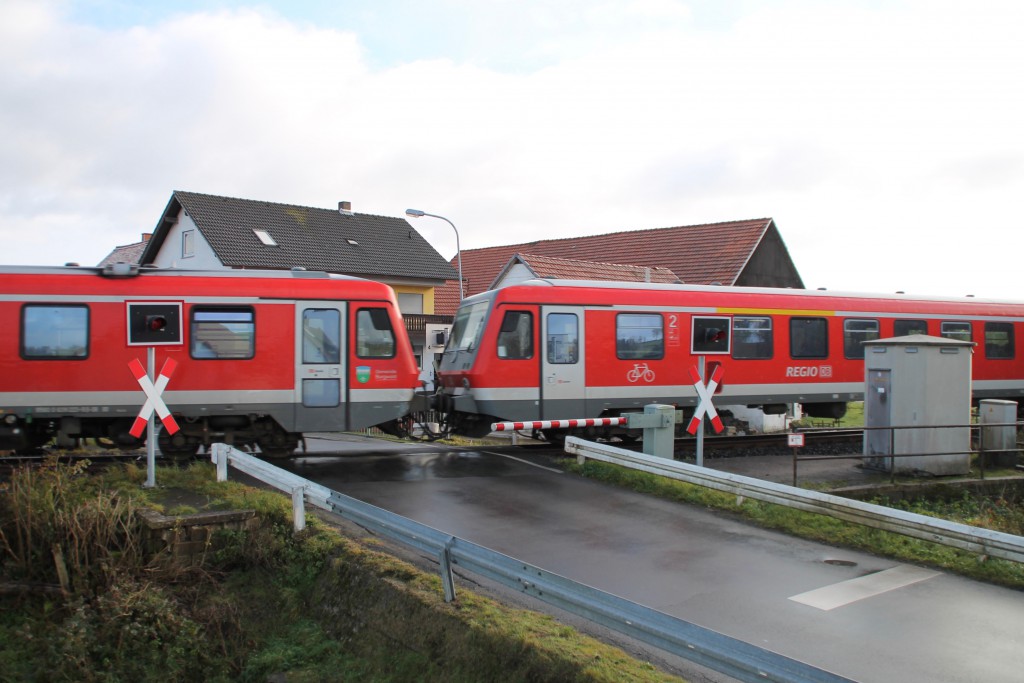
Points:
[(735, 253), (209, 232), (127, 253), (522, 267)]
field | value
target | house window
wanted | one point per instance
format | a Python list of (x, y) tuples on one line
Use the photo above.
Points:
[(188, 243), (51, 332), (410, 304), (265, 237)]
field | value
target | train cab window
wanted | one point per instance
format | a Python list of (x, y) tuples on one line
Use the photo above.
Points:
[(808, 337), (710, 335), (639, 336), (467, 328), (50, 332), (374, 336), (321, 336), (855, 333), (955, 330), (563, 338), (223, 333), (999, 341), (515, 338), (752, 338), (903, 328)]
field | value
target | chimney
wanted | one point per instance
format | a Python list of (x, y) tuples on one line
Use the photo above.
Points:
[(146, 236), (345, 208)]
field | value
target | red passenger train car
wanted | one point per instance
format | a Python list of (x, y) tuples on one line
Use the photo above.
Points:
[(262, 356), (558, 349)]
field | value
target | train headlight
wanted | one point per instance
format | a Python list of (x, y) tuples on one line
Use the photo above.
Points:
[(10, 419)]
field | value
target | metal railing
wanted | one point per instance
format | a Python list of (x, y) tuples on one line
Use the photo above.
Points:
[(736, 658), (963, 536), (983, 451)]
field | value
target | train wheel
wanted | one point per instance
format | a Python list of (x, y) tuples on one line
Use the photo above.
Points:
[(177, 447), (278, 445)]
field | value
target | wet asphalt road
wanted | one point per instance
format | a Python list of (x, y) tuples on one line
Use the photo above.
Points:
[(701, 566)]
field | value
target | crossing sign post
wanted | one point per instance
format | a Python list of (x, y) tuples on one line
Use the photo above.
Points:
[(704, 404)]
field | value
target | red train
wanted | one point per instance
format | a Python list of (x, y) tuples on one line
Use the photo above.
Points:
[(261, 356), (558, 349)]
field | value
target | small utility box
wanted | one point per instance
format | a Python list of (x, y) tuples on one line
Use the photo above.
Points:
[(998, 431), (918, 381)]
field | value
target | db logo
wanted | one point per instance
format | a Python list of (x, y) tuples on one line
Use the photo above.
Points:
[(823, 371)]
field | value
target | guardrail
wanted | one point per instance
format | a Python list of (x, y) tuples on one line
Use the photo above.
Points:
[(963, 536), (740, 660)]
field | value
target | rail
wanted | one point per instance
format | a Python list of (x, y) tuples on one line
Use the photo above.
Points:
[(736, 658), (963, 536)]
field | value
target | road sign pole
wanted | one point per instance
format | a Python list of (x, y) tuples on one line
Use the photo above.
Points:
[(700, 427), (151, 429)]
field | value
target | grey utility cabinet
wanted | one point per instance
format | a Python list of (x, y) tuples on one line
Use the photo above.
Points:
[(921, 382)]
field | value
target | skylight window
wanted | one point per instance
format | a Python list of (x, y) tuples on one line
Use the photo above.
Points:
[(265, 237), (351, 241)]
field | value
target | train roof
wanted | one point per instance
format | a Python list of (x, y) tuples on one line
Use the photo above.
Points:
[(126, 270), (774, 291)]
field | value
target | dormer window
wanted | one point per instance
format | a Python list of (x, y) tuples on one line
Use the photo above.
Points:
[(265, 237)]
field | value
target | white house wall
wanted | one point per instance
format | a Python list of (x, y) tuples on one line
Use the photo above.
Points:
[(202, 258)]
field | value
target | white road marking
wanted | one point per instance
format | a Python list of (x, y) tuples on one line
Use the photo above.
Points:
[(525, 462), (845, 592)]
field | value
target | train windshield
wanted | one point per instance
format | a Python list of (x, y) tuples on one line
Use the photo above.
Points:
[(469, 325)]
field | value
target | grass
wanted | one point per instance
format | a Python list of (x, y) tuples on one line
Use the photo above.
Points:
[(309, 606), (1003, 515)]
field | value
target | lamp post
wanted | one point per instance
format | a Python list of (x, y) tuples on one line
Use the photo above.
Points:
[(416, 213)]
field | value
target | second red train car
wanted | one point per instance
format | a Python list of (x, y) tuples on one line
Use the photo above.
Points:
[(558, 349)]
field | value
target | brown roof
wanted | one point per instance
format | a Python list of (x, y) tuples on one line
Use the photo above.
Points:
[(572, 269), (126, 253), (696, 254)]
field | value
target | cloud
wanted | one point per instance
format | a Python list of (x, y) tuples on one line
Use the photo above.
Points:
[(884, 140)]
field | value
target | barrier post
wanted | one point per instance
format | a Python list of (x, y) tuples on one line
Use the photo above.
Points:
[(299, 507)]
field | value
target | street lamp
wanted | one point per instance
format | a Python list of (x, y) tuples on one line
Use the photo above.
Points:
[(416, 213)]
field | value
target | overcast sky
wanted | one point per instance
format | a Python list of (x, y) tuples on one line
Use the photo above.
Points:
[(886, 139)]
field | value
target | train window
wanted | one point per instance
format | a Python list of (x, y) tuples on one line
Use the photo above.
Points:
[(639, 336), (515, 338), (808, 337), (50, 332), (956, 330), (223, 333), (855, 333), (321, 335), (902, 328), (999, 340), (467, 328), (752, 338), (374, 336), (563, 337), (710, 335)]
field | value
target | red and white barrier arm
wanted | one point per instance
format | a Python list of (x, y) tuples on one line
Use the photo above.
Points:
[(559, 424)]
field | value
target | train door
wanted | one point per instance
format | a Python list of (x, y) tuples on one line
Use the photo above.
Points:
[(562, 381), (878, 442), (320, 366)]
